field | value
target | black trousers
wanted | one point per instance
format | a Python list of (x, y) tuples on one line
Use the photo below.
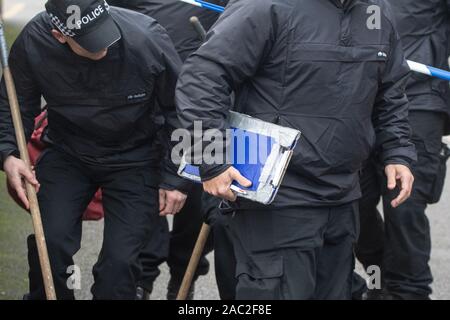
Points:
[(224, 259), (130, 201), (154, 253), (401, 245), (177, 247), (369, 249), (292, 254)]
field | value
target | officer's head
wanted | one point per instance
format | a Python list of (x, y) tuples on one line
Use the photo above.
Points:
[(85, 25)]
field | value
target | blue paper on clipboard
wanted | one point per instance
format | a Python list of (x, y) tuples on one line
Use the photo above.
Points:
[(260, 151)]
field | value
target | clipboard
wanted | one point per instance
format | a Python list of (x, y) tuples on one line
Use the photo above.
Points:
[(274, 145)]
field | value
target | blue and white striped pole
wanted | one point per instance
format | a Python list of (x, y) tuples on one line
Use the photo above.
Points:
[(429, 71), (414, 66), (206, 5)]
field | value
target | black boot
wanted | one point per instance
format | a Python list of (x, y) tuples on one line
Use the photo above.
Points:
[(174, 286), (143, 293), (375, 294)]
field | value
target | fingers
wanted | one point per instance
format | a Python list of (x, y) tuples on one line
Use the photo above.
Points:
[(220, 186), (236, 176), (391, 177), (38, 185), (403, 195), (407, 181), (178, 199), (162, 200), (180, 205), (17, 185), (401, 173), (222, 190), (28, 175), (169, 208), (23, 197), (174, 202), (228, 195), (18, 172), (21, 192)]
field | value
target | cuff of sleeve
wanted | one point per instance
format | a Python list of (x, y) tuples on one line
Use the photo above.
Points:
[(175, 182), (208, 172), (399, 160), (405, 156), (6, 154)]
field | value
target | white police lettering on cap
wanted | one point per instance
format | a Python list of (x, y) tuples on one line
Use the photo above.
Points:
[(93, 15)]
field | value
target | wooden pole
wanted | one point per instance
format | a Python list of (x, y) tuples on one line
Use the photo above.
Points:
[(193, 262), (205, 230), (31, 192)]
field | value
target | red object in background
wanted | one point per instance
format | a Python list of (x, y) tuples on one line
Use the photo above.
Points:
[(35, 148)]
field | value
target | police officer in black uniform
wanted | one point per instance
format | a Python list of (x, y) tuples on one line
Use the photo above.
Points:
[(321, 67), (101, 71), (404, 260), (174, 16)]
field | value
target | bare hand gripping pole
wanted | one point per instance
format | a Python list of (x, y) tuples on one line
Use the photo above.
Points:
[(31, 192)]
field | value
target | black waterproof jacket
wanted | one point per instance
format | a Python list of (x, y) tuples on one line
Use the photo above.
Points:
[(424, 31), (317, 66), (100, 112), (174, 15)]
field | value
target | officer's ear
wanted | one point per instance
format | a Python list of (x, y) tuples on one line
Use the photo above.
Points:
[(59, 36)]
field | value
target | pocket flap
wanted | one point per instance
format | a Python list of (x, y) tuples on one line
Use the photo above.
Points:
[(261, 267), (333, 53)]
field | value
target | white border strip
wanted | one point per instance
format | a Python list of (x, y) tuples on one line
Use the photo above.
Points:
[(193, 2), (419, 67)]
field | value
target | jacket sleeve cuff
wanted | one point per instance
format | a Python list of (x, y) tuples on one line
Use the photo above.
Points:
[(5, 154), (405, 156), (208, 172), (172, 181), (398, 160)]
